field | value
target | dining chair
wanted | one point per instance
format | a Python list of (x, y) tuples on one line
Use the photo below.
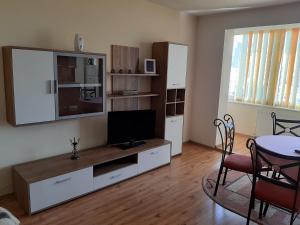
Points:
[(269, 190), (230, 160), (285, 126)]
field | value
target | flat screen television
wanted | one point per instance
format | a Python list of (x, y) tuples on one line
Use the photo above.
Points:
[(130, 126)]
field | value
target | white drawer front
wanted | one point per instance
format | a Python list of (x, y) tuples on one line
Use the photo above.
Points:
[(61, 188), (115, 176), (153, 158), (173, 133)]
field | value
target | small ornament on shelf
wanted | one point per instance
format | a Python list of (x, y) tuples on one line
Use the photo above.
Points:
[(75, 153), (78, 43)]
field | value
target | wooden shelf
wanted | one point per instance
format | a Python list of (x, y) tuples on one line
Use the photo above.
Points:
[(108, 168), (140, 95), (115, 165), (134, 74), (170, 116), (72, 85), (174, 102)]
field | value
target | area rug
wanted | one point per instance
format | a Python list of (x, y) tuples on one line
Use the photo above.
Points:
[(235, 196)]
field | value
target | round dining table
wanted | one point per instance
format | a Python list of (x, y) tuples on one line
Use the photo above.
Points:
[(279, 145), (281, 151)]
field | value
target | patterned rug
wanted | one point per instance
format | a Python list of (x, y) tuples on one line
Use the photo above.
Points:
[(235, 196)]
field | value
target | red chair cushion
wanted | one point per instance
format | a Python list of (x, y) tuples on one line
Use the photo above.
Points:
[(276, 195), (239, 162)]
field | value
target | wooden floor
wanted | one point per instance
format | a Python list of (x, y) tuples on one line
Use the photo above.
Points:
[(171, 195)]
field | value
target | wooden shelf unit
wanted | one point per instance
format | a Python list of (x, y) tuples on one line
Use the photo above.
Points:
[(129, 79)]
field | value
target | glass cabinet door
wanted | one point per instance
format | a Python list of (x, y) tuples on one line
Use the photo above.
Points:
[(80, 85)]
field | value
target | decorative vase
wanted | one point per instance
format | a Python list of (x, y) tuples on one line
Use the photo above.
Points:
[(78, 43), (75, 153)]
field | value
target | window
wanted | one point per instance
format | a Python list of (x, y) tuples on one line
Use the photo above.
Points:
[(265, 68)]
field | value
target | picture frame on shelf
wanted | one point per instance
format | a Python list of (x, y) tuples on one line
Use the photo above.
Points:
[(150, 66)]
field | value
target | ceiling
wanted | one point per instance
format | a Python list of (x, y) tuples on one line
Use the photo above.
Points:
[(205, 7)]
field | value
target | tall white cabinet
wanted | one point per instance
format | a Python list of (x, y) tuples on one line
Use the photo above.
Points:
[(171, 59)]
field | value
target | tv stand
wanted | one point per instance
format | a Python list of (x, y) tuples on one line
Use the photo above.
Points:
[(44, 183), (130, 144)]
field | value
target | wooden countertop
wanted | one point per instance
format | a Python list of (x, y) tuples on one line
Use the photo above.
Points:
[(57, 165)]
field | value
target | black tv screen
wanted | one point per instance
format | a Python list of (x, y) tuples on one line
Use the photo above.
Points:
[(124, 126)]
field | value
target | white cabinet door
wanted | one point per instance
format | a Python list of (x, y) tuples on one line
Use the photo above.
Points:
[(55, 190), (177, 64), (173, 133), (153, 158), (33, 71)]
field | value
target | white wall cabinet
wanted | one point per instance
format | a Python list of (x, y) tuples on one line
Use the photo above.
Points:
[(33, 75), (43, 85), (177, 64), (173, 133)]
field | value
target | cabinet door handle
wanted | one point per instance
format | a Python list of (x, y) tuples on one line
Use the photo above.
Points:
[(154, 153), (52, 86), (115, 176), (175, 84), (49, 86), (55, 87), (63, 180)]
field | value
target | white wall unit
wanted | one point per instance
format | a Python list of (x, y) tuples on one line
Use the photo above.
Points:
[(153, 158), (115, 176), (173, 133), (33, 72), (54, 190), (177, 64)]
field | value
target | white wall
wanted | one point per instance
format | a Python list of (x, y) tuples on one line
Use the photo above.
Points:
[(188, 34), (210, 39), (53, 24), (255, 120)]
